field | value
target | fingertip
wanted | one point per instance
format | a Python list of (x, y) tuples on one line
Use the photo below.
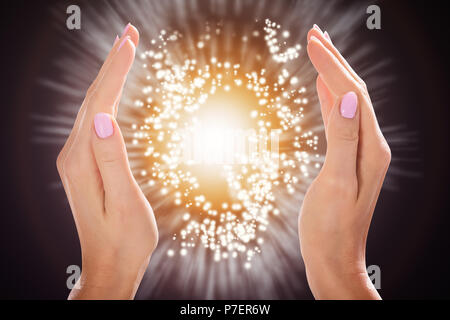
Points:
[(314, 33), (132, 32), (314, 46), (315, 26), (320, 56), (309, 35), (124, 40), (116, 40), (127, 49), (314, 41)]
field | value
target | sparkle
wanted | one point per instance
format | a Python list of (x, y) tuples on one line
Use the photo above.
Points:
[(195, 100), (237, 35)]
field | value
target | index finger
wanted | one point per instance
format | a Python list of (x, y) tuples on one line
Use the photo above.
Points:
[(133, 33), (316, 32), (110, 86), (338, 79)]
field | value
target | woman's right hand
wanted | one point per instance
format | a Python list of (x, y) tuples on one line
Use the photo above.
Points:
[(115, 223)]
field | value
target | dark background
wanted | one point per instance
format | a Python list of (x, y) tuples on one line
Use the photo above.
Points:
[(410, 244)]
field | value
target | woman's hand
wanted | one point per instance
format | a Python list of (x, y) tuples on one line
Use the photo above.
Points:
[(115, 223), (338, 207)]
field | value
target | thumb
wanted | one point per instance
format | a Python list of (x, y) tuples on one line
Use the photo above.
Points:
[(343, 137), (111, 155)]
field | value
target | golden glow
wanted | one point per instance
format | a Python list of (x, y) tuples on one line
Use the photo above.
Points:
[(212, 140)]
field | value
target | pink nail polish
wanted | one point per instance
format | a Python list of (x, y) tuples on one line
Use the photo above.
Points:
[(317, 27), (327, 35), (123, 42), (125, 30), (103, 125), (349, 105), (115, 41)]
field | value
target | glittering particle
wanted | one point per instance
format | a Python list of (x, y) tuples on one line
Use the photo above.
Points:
[(245, 43), (181, 138)]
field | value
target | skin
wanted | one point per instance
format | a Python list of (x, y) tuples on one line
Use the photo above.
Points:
[(338, 207), (114, 220)]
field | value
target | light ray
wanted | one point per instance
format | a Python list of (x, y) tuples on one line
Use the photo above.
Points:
[(226, 230)]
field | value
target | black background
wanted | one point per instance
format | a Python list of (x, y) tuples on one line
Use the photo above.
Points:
[(410, 245)]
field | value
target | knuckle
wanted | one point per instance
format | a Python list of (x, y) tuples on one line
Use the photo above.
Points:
[(381, 157), (343, 132), (339, 187), (347, 134), (59, 163), (70, 166), (363, 85), (108, 158), (385, 153), (107, 155)]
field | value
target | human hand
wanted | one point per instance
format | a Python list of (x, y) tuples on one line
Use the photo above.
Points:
[(338, 207), (115, 223)]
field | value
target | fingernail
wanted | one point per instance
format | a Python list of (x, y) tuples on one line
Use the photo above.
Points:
[(115, 41), (123, 42), (125, 30), (327, 35), (317, 27), (349, 105), (314, 38), (103, 125)]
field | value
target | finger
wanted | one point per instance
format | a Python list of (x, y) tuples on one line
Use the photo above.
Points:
[(343, 137), (116, 105), (326, 100), (133, 33), (104, 99), (110, 87), (111, 155), (81, 114), (374, 154), (337, 78), (129, 31), (325, 39)]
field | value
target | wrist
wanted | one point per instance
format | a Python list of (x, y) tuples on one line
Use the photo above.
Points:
[(108, 282), (332, 280)]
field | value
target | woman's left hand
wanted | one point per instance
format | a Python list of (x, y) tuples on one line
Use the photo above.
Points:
[(338, 207)]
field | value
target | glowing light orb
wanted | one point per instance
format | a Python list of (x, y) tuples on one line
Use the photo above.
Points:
[(212, 133)]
